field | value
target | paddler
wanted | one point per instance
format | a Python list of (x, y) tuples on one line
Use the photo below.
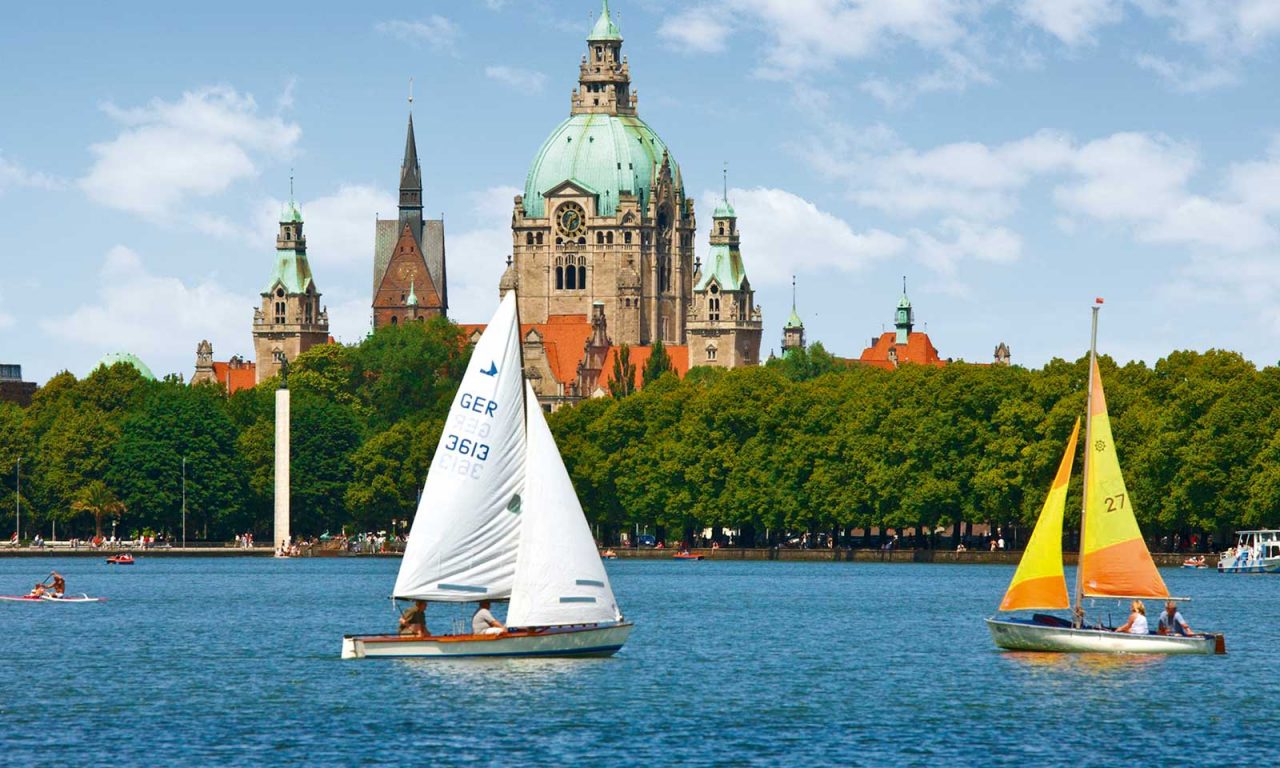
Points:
[(59, 584)]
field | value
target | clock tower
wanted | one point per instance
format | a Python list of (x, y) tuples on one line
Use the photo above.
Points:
[(604, 220)]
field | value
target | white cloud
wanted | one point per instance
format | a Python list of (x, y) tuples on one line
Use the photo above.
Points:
[(783, 233), (339, 227), (196, 146), (154, 316), (1187, 78), (520, 79), (435, 31), (13, 175), (478, 256), (959, 239), (698, 29), (1071, 21)]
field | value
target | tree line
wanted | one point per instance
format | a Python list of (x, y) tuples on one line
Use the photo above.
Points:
[(803, 444)]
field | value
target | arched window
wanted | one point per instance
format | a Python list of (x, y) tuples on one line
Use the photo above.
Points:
[(608, 238), (539, 238), (421, 318), (280, 311), (582, 240), (528, 238), (393, 320), (559, 274), (571, 278), (582, 273), (626, 238), (711, 352), (722, 227), (713, 308)]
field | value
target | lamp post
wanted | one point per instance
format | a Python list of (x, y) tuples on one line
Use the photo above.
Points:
[(184, 502), (17, 500)]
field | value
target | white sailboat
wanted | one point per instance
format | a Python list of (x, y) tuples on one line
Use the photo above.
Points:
[(498, 520)]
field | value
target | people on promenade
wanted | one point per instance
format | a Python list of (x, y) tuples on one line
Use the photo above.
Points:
[(1137, 623), (1171, 621), (414, 620), (484, 623)]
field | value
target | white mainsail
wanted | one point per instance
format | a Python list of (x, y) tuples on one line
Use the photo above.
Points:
[(560, 578), (465, 536)]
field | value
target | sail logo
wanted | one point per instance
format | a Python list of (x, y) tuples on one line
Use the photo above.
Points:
[(492, 370), (1099, 445)]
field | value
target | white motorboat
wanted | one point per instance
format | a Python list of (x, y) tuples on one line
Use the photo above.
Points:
[(1254, 552), (499, 520)]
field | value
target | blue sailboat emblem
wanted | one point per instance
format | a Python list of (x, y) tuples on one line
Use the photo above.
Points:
[(493, 369)]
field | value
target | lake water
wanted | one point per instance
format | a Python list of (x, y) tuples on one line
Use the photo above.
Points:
[(235, 662)]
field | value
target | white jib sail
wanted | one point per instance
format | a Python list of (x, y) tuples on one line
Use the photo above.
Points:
[(560, 578), (464, 539)]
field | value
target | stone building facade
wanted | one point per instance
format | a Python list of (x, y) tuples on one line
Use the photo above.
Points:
[(725, 325), (291, 319), (604, 217), (408, 254)]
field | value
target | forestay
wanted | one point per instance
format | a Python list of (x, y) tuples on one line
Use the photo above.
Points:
[(560, 578), (464, 539)]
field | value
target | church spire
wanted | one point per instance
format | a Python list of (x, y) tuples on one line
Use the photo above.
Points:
[(411, 181)]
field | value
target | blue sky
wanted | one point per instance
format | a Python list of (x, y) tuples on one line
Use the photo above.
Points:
[(1012, 159)]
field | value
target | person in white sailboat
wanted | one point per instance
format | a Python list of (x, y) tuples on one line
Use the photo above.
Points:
[(1171, 621), (484, 622), (1137, 623), (414, 620)]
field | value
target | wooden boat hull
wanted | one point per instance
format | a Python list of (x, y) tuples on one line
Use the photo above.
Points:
[(594, 640), (1029, 635)]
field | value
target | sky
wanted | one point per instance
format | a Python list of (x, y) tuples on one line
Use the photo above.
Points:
[(1011, 160)]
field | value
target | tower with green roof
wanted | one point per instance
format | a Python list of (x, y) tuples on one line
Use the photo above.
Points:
[(793, 331), (905, 317), (603, 216), (725, 324), (291, 319)]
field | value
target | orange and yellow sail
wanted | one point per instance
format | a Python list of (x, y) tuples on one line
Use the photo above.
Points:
[(1114, 559), (1039, 584)]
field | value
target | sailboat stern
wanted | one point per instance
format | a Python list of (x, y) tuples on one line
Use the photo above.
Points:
[(352, 648)]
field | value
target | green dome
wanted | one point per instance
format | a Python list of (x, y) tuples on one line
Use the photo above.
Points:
[(724, 211), (111, 358), (607, 154)]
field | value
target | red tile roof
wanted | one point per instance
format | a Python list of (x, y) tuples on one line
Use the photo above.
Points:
[(639, 356), (235, 379), (918, 349)]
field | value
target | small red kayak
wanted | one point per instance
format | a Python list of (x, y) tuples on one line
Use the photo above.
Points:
[(120, 560), (686, 556)]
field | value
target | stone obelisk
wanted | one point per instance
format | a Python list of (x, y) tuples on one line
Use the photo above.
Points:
[(280, 540)]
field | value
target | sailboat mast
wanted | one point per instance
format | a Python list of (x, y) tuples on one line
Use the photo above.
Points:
[(1077, 615)]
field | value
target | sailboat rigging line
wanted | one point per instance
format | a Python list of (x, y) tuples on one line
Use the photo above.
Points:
[(1077, 616)]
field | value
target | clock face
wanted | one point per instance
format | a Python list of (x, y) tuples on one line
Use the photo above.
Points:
[(407, 272), (570, 220)]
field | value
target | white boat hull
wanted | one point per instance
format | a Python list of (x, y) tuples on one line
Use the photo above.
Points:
[(594, 640), (1015, 635)]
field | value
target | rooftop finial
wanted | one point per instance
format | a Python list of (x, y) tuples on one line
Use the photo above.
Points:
[(411, 93), (793, 292), (726, 185), (290, 185), (904, 285)]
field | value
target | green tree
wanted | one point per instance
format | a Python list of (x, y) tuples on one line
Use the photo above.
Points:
[(623, 382), (97, 499), (659, 363)]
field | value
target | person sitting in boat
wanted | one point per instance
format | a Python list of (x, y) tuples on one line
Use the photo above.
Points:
[(59, 584), (414, 620), (1137, 623), (484, 622), (39, 590), (1171, 621)]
